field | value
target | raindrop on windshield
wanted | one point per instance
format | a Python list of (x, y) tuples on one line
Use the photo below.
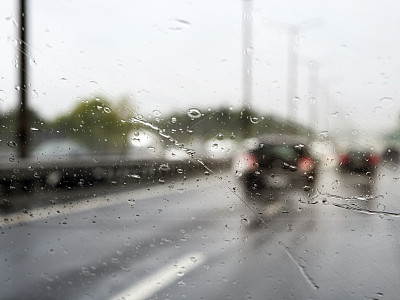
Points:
[(12, 144), (323, 135), (254, 120), (298, 147), (194, 113), (386, 101), (164, 167)]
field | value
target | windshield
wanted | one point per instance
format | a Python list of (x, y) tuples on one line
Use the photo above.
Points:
[(237, 149)]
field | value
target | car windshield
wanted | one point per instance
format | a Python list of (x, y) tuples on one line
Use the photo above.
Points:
[(230, 149)]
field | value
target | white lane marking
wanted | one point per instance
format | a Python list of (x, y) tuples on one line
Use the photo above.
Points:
[(162, 278)]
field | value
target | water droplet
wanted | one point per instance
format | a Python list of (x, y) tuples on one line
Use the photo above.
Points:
[(214, 146), (12, 144), (338, 95), (180, 274), (220, 136), (181, 283), (180, 171), (245, 221), (194, 113), (298, 147), (254, 120), (156, 113), (386, 101), (135, 142), (206, 173), (136, 176), (162, 181), (34, 129), (323, 135), (107, 110), (164, 168), (307, 188), (173, 120), (354, 132), (151, 149)]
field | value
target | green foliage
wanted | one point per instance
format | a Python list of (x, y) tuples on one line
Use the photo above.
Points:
[(95, 124), (9, 128), (237, 124)]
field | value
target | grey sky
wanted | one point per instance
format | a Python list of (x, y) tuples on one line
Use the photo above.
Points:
[(182, 54)]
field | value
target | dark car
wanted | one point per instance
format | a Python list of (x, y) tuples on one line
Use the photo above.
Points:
[(392, 154), (359, 161), (278, 163)]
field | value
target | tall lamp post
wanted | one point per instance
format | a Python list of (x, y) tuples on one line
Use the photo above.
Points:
[(22, 118), (247, 64)]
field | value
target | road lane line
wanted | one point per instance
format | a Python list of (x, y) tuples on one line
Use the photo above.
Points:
[(162, 278)]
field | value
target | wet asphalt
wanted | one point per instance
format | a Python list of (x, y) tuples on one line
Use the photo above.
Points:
[(207, 238)]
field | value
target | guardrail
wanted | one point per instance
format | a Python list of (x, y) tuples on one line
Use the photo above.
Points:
[(32, 173)]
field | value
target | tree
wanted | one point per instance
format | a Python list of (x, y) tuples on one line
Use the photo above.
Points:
[(95, 124)]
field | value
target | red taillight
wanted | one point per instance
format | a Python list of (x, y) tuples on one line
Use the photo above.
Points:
[(250, 161), (344, 159), (246, 162), (373, 160), (305, 164)]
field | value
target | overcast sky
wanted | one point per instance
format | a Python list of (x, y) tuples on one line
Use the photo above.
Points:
[(170, 54)]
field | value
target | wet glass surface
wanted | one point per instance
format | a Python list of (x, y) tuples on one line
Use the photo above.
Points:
[(202, 150)]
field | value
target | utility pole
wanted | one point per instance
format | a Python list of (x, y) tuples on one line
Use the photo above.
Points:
[(313, 113), (22, 118), (292, 70), (247, 64), (293, 31)]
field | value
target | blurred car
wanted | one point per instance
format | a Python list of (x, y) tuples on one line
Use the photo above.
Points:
[(325, 153), (61, 152), (145, 145), (359, 161), (59, 149), (392, 154), (216, 149), (277, 163)]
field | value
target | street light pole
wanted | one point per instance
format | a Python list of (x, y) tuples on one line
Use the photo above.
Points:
[(292, 69), (247, 64), (22, 118)]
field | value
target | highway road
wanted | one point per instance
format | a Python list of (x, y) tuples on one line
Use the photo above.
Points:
[(206, 238)]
